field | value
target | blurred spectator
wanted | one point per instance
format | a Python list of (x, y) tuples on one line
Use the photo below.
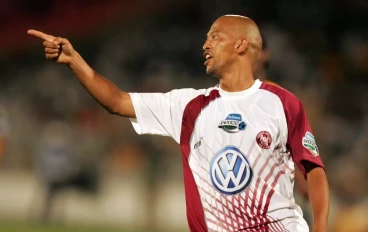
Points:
[(58, 165), (4, 130)]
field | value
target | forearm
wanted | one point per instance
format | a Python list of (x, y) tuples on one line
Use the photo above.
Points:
[(104, 91), (319, 198), (301, 183)]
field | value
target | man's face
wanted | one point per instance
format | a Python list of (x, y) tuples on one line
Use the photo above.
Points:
[(219, 48)]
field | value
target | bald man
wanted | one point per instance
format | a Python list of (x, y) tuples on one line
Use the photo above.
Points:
[(239, 139)]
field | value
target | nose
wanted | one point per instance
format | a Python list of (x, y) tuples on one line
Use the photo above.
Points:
[(206, 45)]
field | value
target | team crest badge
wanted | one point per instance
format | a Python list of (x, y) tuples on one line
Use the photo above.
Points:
[(233, 123), (309, 142), (264, 139)]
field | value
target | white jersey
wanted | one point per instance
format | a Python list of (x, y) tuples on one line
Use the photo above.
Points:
[(239, 151)]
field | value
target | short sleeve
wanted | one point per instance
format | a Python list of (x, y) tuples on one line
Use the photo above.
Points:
[(301, 142), (161, 113)]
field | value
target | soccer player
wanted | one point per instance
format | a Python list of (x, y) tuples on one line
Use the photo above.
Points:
[(239, 139)]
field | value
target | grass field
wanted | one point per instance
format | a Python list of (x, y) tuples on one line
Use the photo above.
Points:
[(34, 227)]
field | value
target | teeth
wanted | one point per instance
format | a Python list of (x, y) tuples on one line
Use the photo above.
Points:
[(208, 56)]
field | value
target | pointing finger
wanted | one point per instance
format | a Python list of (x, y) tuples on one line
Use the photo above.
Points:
[(41, 35)]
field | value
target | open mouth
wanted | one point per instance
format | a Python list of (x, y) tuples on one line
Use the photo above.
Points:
[(208, 58)]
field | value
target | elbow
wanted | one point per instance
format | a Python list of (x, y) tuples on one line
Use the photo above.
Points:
[(115, 109), (119, 106), (111, 110)]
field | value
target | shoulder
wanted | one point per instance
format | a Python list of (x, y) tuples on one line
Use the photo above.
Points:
[(200, 94), (203, 98), (290, 102), (185, 92), (283, 94)]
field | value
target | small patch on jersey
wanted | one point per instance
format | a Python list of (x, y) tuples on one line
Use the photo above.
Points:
[(230, 171), (264, 139), (309, 142), (233, 123)]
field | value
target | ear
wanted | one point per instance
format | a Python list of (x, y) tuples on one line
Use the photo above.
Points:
[(241, 46)]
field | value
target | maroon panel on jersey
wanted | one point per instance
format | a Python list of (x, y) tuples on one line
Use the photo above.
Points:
[(298, 127), (195, 212)]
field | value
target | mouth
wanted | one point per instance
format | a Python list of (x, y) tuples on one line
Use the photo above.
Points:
[(208, 57)]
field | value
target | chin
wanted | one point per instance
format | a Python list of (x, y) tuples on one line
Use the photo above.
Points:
[(212, 72)]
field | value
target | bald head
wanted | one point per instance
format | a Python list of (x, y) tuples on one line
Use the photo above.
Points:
[(244, 28), (233, 41)]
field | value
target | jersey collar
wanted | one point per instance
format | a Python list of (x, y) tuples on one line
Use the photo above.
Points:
[(224, 94)]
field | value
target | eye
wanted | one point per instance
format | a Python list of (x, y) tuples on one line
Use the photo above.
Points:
[(214, 37)]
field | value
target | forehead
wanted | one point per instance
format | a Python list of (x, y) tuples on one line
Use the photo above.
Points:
[(218, 25), (222, 25)]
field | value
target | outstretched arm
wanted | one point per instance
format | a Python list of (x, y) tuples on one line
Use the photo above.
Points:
[(105, 92), (318, 195)]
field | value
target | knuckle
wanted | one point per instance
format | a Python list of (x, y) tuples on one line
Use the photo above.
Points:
[(56, 40)]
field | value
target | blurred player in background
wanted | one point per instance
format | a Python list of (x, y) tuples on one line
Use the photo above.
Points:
[(261, 73), (263, 63), (59, 168), (239, 139), (4, 130)]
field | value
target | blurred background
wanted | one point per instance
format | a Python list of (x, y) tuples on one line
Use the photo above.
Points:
[(67, 165)]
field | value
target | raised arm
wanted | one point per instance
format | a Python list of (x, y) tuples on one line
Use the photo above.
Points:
[(60, 50)]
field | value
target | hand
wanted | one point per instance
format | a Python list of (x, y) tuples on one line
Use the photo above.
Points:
[(57, 49)]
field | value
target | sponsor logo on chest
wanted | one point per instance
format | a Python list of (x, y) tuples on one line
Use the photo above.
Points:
[(233, 123)]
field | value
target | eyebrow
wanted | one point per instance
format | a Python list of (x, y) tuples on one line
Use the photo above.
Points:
[(212, 32)]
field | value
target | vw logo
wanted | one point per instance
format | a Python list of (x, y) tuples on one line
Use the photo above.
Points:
[(230, 171)]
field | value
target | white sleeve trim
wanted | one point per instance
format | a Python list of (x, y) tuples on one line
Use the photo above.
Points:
[(136, 122)]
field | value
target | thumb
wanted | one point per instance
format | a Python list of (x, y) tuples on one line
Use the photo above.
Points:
[(60, 41)]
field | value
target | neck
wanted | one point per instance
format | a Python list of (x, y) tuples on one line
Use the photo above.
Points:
[(260, 75), (239, 78)]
